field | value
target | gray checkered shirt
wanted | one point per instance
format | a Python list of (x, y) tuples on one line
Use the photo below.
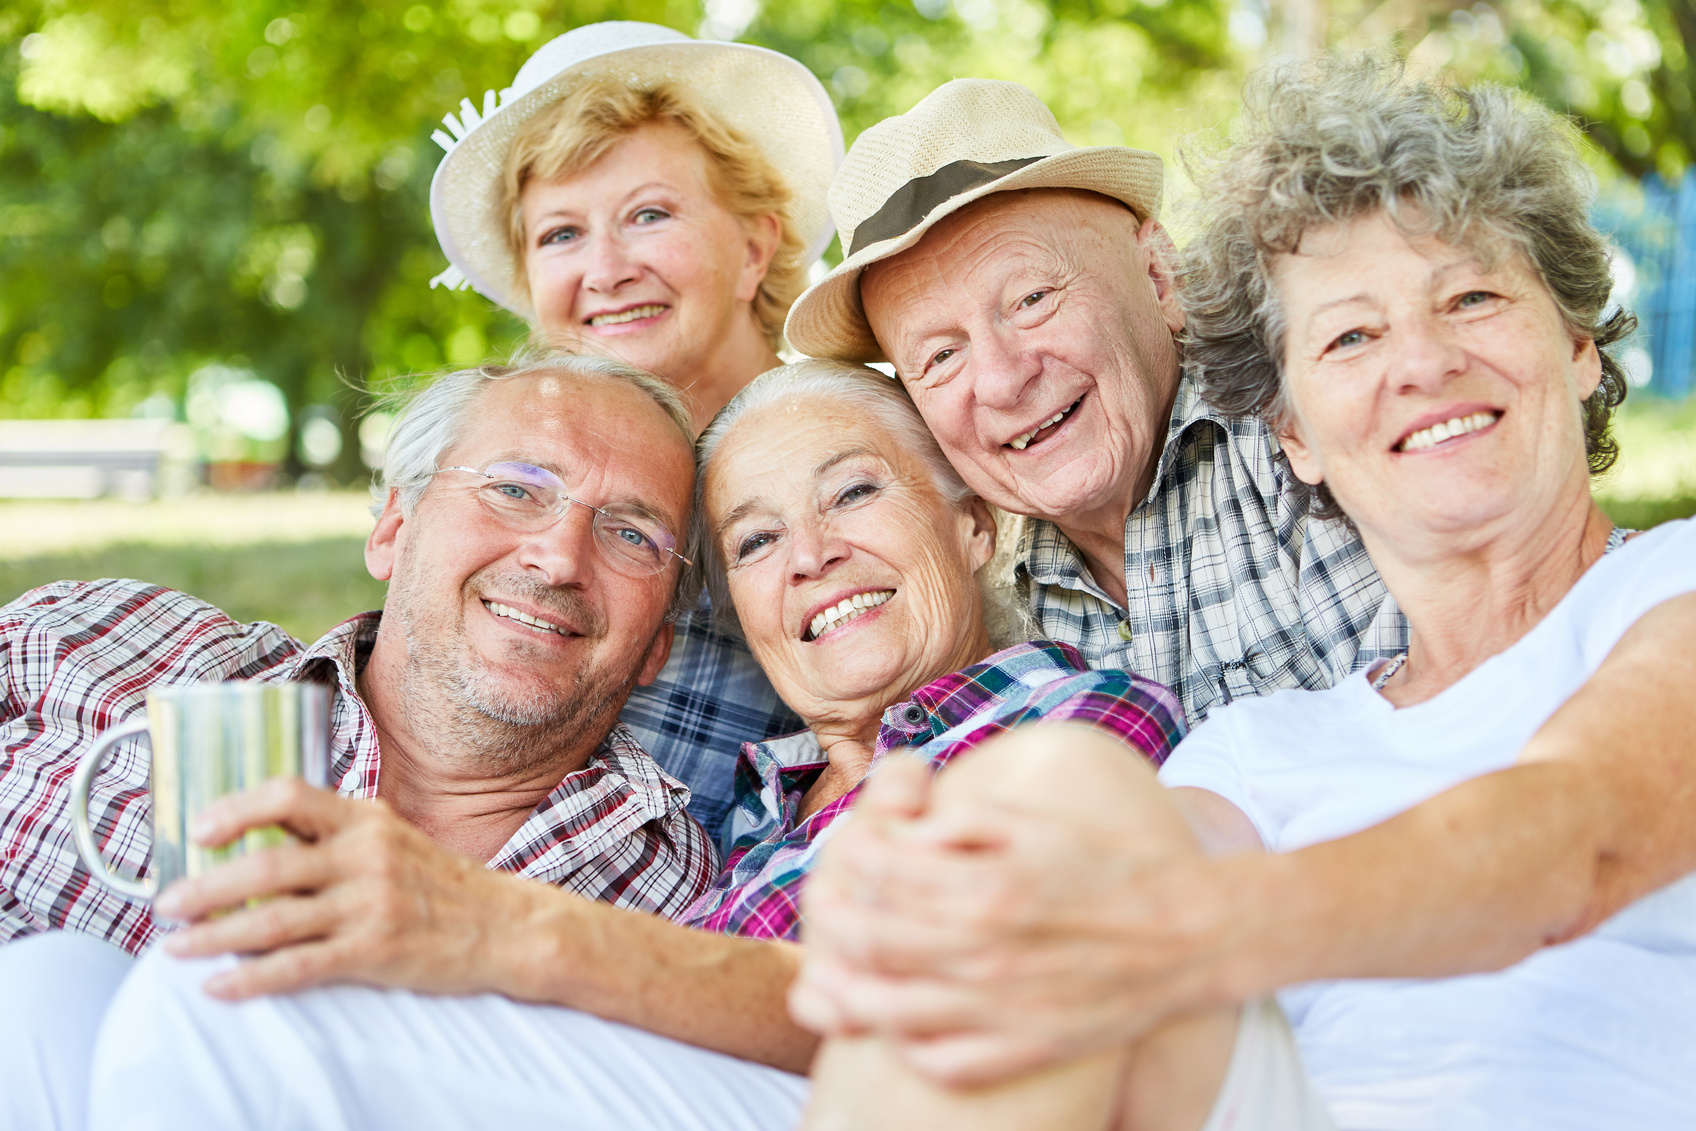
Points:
[(1233, 588)]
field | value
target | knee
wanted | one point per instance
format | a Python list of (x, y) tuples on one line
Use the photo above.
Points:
[(1078, 774)]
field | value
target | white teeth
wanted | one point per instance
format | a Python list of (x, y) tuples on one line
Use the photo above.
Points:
[(1447, 430), (1021, 442), (624, 316), (522, 617), (846, 610)]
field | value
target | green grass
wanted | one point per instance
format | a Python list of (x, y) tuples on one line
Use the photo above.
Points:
[(306, 587)]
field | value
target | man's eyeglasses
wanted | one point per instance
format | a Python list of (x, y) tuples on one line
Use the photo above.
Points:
[(528, 498)]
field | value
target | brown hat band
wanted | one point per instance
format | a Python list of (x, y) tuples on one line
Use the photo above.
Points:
[(908, 205)]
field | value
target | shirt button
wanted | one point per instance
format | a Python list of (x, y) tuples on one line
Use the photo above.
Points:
[(1125, 631), (913, 715)]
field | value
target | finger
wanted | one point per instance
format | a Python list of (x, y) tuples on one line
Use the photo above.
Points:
[(274, 871), (973, 1059), (308, 813), (283, 971), (268, 926), (899, 788)]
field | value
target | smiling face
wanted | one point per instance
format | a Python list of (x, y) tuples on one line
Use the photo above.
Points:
[(1034, 331), (1432, 393), (851, 574), (635, 258), (532, 630)]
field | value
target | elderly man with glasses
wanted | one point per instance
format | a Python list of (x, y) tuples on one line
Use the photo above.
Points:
[(474, 720)]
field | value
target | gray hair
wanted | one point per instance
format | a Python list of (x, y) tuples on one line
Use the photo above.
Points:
[(430, 418), (1324, 141), (881, 398)]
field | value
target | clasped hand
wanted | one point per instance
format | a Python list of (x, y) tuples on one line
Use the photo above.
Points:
[(986, 939), (360, 896)]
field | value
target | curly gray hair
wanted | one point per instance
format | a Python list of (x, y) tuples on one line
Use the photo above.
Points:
[(1323, 141), (431, 417)]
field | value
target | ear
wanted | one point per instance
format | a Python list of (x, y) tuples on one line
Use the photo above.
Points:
[(658, 653), (1302, 459), (1162, 258), (383, 547), (977, 527), (764, 234), (1587, 359)]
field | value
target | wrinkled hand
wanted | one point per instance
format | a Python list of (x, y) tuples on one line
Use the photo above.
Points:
[(361, 897), (987, 941)]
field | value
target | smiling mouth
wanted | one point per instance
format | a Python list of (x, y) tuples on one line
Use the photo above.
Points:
[(844, 611), (1045, 429), (634, 314), (1447, 430), (510, 613)]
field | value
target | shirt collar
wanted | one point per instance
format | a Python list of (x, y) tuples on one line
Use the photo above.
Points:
[(972, 692), (1047, 556)]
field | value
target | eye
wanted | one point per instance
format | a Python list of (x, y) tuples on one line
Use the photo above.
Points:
[(1347, 340), (650, 215), (754, 543), (633, 536), (517, 492), (855, 493), (1033, 298), (941, 356), (1472, 298), (558, 235)]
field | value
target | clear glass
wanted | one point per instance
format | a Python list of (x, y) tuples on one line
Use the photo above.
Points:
[(524, 497)]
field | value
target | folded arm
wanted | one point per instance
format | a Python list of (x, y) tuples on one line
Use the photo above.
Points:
[(986, 960), (365, 897)]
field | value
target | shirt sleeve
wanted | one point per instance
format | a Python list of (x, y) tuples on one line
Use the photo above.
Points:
[(1210, 758), (1661, 565)]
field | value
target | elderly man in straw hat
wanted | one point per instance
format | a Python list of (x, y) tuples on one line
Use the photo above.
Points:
[(1024, 292)]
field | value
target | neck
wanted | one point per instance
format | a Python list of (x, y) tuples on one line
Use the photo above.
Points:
[(467, 781), (1469, 602), (848, 734), (743, 355)]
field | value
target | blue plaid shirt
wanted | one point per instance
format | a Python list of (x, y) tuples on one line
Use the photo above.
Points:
[(709, 699)]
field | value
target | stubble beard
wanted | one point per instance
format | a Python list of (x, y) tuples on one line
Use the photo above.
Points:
[(454, 697)]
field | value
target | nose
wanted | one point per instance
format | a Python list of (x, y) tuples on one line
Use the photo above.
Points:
[(610, 266), (814, 548), (1003, 367), (563, 554), (1427, 355)]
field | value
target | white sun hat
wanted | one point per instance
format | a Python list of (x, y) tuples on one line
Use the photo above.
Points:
[(964, 140), (769, 98)]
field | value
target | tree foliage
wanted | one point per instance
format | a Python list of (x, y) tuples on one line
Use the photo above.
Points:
[(243, 182)]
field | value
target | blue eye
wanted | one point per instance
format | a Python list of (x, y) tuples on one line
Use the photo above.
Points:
[(650, 215), (856, 493), (558, 235), (753, 544), (1345, 341), (1473, 298)]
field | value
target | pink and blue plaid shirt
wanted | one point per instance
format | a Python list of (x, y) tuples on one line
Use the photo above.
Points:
[(771, 853)]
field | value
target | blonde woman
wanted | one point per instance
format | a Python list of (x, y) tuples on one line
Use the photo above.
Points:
[(658, 199)]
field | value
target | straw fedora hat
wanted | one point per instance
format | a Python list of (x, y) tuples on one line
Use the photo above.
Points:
[(769, 98), (964, 140)]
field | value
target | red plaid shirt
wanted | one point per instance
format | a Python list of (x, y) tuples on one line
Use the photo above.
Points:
[(78, 657)]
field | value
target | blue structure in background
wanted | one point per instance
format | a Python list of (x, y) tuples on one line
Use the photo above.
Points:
[(1659, 236)]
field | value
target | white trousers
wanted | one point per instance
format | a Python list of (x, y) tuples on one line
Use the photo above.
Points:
[(351, 1057), (53, 992)]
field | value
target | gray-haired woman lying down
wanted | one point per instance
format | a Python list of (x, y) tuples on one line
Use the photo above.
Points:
[(1405, 281)]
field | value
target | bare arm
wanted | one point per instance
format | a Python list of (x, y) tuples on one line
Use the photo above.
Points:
[(1595, 814), (989, 962), (365, 897)]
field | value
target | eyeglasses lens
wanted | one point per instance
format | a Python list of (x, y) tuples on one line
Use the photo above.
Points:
[(532, 498)]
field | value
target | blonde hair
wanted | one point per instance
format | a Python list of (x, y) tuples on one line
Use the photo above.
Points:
[(580, 128)]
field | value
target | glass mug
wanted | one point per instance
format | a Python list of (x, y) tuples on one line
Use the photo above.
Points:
[(209, 740)]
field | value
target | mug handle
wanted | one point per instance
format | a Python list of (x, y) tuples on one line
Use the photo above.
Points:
[(87, 766)]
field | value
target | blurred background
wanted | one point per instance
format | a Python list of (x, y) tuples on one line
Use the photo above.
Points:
[(215, 247)]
